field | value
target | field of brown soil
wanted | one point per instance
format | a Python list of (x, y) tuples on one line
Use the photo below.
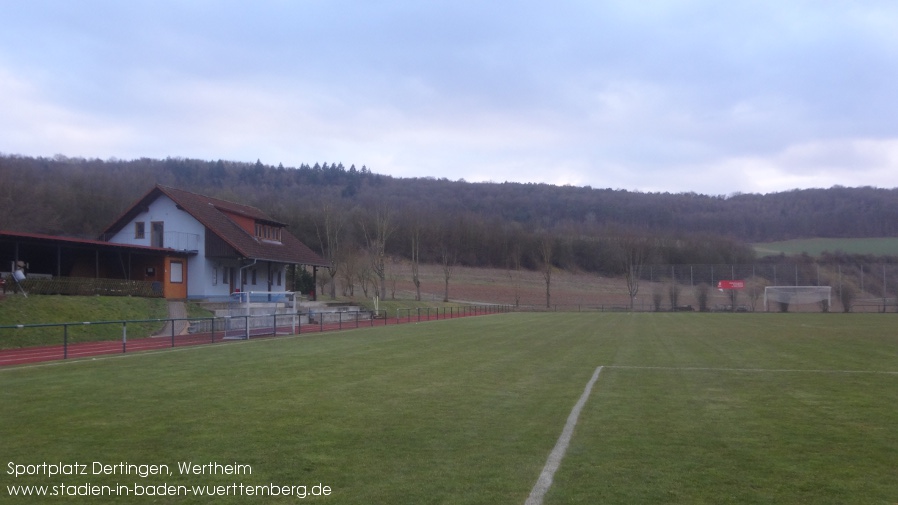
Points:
[(568, 290), (579, 291)]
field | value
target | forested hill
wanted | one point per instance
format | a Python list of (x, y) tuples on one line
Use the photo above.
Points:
[(79, 197)]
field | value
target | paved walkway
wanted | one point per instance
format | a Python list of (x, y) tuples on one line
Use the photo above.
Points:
[(176, 310)]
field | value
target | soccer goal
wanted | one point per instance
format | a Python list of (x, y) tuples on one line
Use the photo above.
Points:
[(797, 295)]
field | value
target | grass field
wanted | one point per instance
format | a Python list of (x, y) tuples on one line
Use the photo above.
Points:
[(689, 408), (887, 246)]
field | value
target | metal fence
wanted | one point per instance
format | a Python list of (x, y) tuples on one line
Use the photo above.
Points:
[(874, 278), (873, 286), (29, 343)]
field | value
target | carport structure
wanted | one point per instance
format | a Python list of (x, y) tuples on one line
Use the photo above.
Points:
[(49, 256)]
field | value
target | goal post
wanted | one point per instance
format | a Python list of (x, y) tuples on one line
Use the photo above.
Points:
[(797, 295)]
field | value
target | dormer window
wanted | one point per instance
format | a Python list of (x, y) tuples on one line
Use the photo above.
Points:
[(268, 232)]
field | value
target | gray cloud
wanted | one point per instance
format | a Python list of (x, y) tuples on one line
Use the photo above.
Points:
[(662, 96)]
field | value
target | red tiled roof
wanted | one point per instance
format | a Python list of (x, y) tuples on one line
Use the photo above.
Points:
[(211, 213), (54, 239)]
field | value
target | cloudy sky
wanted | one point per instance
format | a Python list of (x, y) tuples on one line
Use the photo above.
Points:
[(710, 96)]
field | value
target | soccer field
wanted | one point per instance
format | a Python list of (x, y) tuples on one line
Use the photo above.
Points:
[(688, 408)]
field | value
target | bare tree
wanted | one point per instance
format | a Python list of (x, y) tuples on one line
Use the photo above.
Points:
[(329, 229), (633, 252), (363, 276), (448, 236), (416, 256), (733, 297), (377, 231), (448, 259), (702, 295), (755, 289), (657, 297), (348, 272), (847, 293), (514, 273), (545, 256), (393, 274), (673, 293)]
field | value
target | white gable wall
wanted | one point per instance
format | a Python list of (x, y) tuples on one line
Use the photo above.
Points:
[(180, 231)]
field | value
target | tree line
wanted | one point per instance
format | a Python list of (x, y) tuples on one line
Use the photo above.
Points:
[(354, 216)]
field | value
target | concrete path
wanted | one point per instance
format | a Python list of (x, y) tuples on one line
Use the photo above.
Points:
[(176, 310)]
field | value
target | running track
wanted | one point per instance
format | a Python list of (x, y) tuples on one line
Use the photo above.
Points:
[(26, 355)]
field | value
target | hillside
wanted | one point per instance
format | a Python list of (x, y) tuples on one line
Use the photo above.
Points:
[(477, 224)]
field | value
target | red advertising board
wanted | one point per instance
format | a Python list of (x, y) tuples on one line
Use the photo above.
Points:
[(731, 285)]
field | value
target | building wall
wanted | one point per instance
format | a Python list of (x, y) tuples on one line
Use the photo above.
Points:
[(181, 232)]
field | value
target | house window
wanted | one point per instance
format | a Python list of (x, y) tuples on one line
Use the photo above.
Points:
[(139, 230), (215, 276), (157, 232), (268, 232), (279, 277), (177, 272), (254, 276)]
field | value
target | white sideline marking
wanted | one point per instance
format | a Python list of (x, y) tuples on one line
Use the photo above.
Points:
[(545, 478), (756, 370)]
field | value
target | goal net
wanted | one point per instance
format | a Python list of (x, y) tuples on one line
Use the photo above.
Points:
[(798, 295)]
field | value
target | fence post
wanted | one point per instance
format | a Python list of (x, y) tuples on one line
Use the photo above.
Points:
[(274, 323), (213, 328), (172, 321), (65, 341), (245, 327), (124, 336)]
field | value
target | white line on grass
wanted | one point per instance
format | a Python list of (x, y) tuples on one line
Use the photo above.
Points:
[(755, 370), (545, 478)]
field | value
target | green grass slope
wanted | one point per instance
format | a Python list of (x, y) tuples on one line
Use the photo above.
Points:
[(39, 309), (816, 246), (35, 309)]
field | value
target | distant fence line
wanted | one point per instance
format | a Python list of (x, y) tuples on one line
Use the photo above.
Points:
[(873, 278), (645, 303), (26, 343)]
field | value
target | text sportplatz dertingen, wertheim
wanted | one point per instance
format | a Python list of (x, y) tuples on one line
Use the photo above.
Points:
[(45, 469)]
